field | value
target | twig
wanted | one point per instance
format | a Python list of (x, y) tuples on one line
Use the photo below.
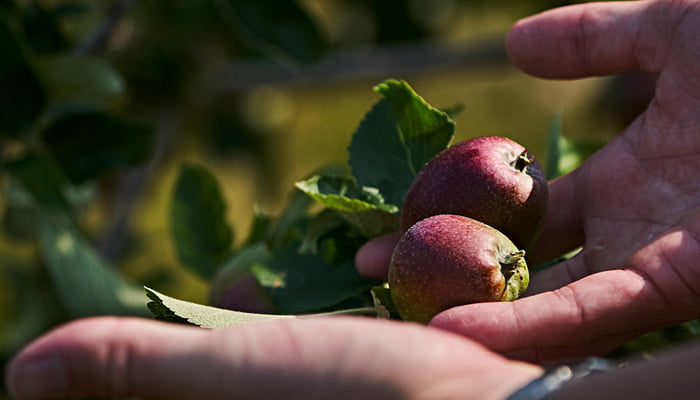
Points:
[(99, 40), (130, 187), (371, 62)]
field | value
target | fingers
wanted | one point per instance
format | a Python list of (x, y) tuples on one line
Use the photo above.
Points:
[(373, 258), (318, 358), (600, 347), (592, 315), (596, 39)]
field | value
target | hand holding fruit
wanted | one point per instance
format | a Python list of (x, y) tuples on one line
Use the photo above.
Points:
[(633, 206)]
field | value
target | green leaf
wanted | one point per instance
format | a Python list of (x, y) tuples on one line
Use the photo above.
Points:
[(383, 303), (378, 157), (171, 309), (199, 228), (41, 178), (85, 283), (566, 154), (18, 223), (280, 30), (343, 193), (90, 144), (22, 98), (575, 151), (78, 80), (294, 214), (685, 331), (301, 283), (44, 26), (554, 145), (424, 129), (362, 207), (174, 310), (321, 225), (396, 138), (260, 227), (373, 223)]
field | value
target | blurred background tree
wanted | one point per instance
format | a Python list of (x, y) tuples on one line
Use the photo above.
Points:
[(101, 103)]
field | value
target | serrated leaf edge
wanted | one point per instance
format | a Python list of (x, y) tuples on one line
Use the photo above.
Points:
[(230, 317)]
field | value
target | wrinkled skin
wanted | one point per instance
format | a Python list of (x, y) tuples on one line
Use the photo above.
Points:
[(634, 205)]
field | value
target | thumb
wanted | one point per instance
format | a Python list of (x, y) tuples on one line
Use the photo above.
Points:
[(373, 258)]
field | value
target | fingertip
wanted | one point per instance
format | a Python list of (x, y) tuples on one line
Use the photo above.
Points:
[(534, 44), (373, 258), (488, 323), (88, 357), (39, 370), (457, 319), (516, 40), (580, 40), (37, 379)]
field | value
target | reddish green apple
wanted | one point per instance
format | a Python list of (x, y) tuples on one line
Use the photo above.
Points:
[(244, 295), (446, 260), (492, 179)]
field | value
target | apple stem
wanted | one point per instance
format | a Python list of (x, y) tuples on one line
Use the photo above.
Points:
[(523, 160), (510, 263), (513, 258)]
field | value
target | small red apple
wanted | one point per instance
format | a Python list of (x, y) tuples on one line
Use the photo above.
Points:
[(445, 261), (246, 295), (491, 179)]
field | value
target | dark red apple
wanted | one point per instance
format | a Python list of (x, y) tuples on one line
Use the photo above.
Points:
[(491, 179), (446, 260), (246, 295)]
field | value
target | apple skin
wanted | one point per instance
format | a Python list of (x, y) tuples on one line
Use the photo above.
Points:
[(492, 179), (446, 260), (245, 295)]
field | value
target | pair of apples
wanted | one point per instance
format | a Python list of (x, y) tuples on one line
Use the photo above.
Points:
[(468, 219)]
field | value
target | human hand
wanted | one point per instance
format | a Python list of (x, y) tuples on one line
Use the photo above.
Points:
[(314, 358), (634, 205)]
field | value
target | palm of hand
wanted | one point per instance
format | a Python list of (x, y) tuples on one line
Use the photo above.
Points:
[(639, 198), (634, 205)]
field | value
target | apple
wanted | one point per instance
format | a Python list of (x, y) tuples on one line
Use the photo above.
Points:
[(447, 260), (246, 295), (492, 179)]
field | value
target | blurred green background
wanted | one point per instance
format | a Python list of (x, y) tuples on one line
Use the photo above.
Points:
[(261, 94)]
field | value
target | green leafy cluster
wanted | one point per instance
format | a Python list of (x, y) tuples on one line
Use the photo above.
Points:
[(62, 129), (304, 258), (68, 131)]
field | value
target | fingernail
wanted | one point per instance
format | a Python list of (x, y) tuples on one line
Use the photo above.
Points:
[(37, 379)]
